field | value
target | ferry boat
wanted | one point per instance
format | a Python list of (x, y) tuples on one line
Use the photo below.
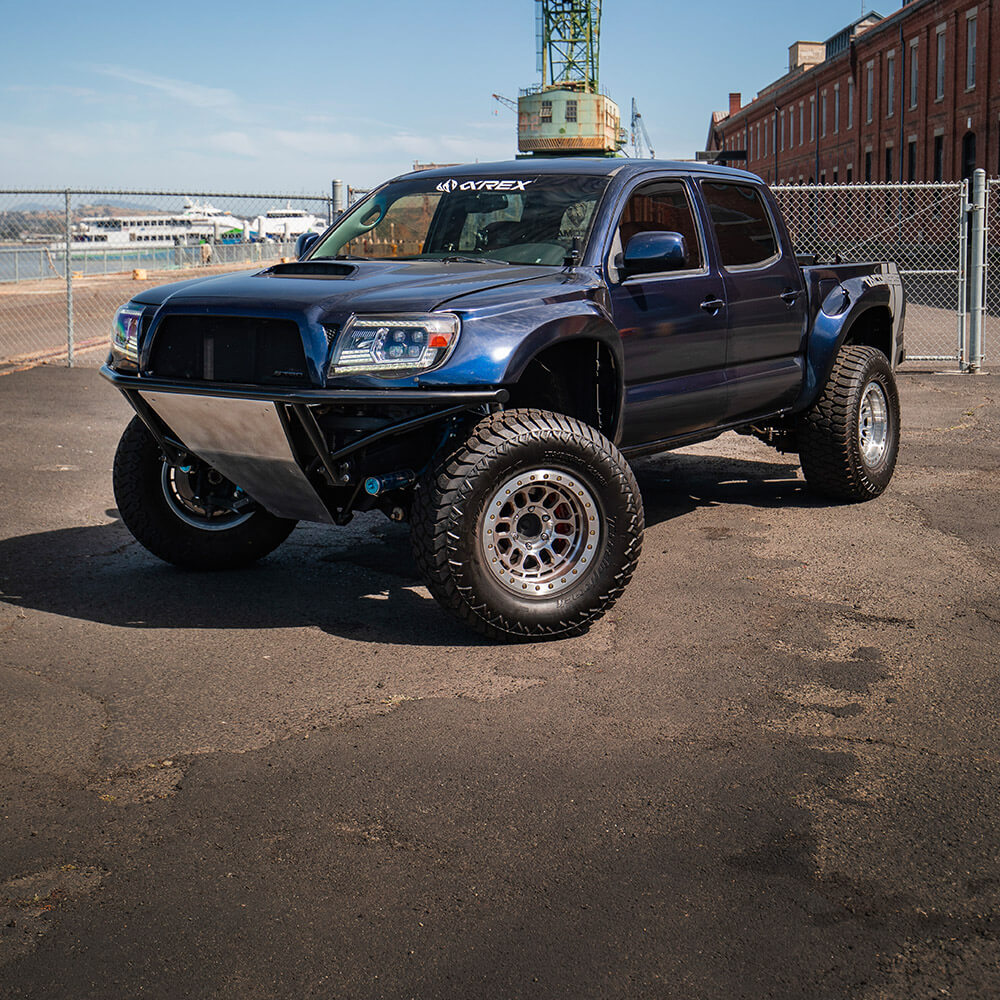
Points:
[(195, 224), (286, 224)]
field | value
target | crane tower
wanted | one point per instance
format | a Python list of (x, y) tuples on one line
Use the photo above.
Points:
[(565, 114)]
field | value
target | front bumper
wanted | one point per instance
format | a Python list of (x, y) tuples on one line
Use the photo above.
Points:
[(247, 432)]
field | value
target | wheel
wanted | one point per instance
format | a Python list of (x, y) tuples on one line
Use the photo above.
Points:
[(531, 529), (189, 515), (849, 438)]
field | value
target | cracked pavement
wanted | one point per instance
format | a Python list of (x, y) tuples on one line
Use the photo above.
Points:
[(771, 771)]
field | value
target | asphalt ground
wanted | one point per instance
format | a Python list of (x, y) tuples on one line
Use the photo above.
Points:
[(771, 771)]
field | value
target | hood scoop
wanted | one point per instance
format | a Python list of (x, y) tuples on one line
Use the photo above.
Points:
[(309, 269)]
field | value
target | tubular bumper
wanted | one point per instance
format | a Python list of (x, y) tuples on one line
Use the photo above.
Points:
[(245, 432)]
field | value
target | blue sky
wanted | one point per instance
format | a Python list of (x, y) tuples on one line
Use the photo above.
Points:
[(283, 97)]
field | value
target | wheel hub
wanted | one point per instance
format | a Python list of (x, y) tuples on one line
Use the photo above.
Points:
[(204, 498), (541, 532), (873, 424)]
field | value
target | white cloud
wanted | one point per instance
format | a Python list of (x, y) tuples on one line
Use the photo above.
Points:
[(194, 94)]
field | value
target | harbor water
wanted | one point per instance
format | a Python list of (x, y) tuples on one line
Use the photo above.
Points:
[(33, 263)]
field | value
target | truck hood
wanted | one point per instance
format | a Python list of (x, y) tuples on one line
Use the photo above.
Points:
[(332, 290)]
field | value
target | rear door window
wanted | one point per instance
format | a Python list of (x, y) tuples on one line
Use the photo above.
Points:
[(742, 224)]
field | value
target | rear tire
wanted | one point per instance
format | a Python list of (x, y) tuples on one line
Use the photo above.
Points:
[(189, 515), (531, 529), (849, 438)]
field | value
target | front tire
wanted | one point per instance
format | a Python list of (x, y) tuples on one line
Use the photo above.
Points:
[(189, 515), (849, 438), (531, 529)]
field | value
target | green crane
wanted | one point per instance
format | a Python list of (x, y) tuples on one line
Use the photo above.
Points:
[(568, 33), (566, 115)]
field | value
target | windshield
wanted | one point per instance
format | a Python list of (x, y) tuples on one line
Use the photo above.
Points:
[(525, 219)]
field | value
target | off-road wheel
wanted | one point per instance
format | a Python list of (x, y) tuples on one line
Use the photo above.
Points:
[(531, 529), (189, 514), (849, 438)]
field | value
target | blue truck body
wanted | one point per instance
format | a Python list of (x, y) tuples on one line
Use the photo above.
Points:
[(656, 332)]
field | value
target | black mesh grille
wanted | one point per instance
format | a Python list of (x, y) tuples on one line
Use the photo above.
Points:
[(229, 349)]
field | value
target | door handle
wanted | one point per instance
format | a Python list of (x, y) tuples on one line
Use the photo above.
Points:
[(790, 295), (713, 305)]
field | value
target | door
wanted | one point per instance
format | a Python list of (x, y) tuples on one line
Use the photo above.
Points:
[(765, 293), (672, 323)]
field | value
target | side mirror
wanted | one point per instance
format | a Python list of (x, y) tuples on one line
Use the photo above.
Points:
[(655, 251), (304, 244)]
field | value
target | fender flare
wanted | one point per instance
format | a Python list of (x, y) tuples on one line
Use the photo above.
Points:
[(829, 331)]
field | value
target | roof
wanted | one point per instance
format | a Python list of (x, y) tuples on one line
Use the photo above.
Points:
[(595, 166)]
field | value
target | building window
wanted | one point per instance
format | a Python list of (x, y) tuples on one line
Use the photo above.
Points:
[(812, 119), (571, 111), (941, 39), (836, 109), (869, 91), (850, 175), (914, 71), (888, 163), (782, 131), (822, 115), (546, 115), (970, 51), (850, 102), (759, 147), (868, 166), (968, 155), (834, 175), (911, 161), (791, 129), (890, 83), (939, 157), (802, 123)]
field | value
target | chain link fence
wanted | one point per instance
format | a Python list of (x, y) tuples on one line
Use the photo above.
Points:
[(922, 227), (68, 259)]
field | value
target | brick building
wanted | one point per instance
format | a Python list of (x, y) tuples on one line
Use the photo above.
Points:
[(910, 97)]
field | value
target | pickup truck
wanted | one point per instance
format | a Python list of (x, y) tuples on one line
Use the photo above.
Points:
[(479, 351)]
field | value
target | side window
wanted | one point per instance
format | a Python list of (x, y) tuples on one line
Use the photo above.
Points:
[(742, 225), (662, 207)]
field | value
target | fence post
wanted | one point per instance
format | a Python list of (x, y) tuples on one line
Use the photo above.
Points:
[(963, 258), (977, 276), (69, 289)]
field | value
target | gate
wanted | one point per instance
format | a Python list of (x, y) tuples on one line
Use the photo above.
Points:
[(924, 228)]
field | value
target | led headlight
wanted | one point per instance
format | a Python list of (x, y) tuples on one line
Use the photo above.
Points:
[(395, 345), (125, 336)]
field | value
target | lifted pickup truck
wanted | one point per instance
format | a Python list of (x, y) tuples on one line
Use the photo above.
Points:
[(479, 350)]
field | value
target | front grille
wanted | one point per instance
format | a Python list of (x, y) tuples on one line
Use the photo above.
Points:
[(229, 349)]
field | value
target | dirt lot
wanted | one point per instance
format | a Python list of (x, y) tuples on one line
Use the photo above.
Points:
[(772, 771), (33, 313)]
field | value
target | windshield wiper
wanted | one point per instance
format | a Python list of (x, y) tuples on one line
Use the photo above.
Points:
[(459, 259)]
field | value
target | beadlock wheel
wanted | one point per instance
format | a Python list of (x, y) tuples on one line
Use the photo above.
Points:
[(541, 530), (189, 515), (530, 529)]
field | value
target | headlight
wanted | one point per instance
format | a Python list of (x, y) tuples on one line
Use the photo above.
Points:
[(395, 345), (125, 336)]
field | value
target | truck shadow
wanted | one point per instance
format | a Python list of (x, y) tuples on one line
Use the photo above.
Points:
[(358, 583)]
